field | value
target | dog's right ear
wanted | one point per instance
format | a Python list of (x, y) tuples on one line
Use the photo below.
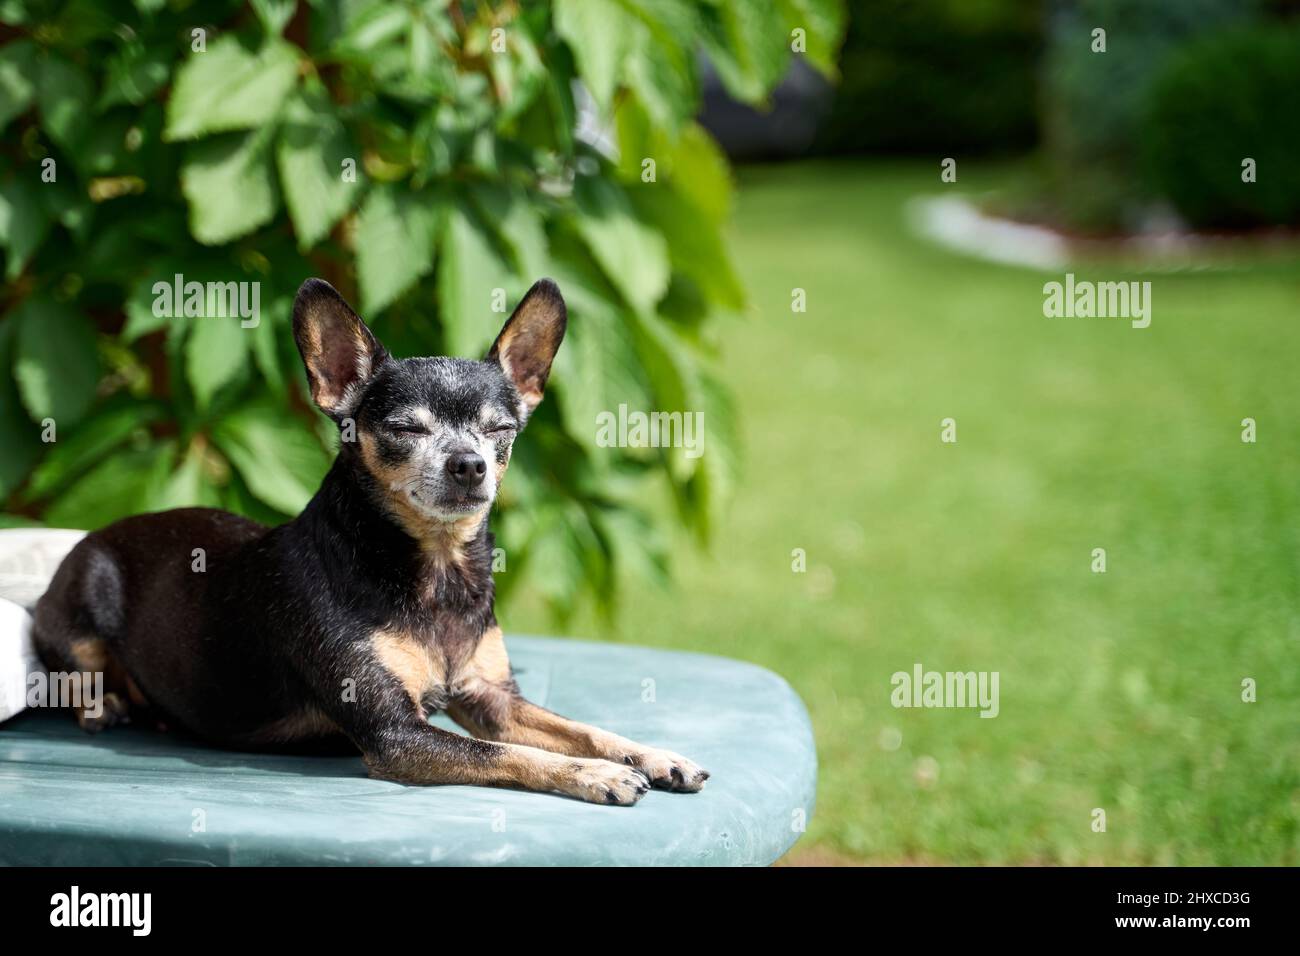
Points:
[(528, 342), (340, 353)]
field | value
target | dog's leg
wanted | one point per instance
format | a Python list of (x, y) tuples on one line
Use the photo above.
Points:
[(523, 723), (72, 621), (488, 704), (388, 725), (422, 754)]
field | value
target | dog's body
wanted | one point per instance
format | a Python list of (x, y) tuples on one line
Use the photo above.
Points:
[(371, 609)]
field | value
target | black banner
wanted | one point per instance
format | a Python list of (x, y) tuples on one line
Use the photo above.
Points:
[(208, 905)]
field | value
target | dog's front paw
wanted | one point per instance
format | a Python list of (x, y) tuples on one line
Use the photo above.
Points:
[(602, 781), (669, 771), (113, 709)]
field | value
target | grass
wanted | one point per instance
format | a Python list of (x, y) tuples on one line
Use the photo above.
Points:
[(1120, 691)]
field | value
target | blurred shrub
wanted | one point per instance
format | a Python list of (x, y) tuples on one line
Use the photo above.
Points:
[(227, 164), (926, 75), (1093, 102), (1218, 100)]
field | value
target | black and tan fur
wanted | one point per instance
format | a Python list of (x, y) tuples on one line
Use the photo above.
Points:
[(372, 609)]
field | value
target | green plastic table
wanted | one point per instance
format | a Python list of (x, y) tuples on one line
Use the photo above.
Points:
[(132, 795)]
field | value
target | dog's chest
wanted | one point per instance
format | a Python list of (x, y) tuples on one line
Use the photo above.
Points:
[(434, 664)]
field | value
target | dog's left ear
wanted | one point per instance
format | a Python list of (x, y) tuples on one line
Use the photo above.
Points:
[(340, 353), (531, 337)]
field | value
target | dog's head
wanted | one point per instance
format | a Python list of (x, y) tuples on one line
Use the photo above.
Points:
[(432, 435)]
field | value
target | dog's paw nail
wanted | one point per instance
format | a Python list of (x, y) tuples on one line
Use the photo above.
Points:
[(669, 771), (604, 781)]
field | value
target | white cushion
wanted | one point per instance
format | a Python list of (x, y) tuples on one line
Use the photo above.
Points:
[(28, 559), (18, 660)]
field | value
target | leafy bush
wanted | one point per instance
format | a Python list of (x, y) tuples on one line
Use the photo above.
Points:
[(1218, 101), (229, 165), (1093, 102), (937, 75)]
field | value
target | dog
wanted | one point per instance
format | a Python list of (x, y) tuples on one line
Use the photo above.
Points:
[(370, 610)]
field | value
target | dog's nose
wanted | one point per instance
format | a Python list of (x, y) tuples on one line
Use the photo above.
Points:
[(467, 468)]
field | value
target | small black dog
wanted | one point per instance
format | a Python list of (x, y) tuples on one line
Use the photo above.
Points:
[(371, 609)]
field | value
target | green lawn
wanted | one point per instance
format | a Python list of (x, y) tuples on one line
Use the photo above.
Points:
[(1119, 691)]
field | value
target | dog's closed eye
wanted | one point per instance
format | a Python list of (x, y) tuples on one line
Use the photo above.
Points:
[(407, 428)]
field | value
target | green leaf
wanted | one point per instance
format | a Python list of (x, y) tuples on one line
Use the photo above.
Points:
[(279, 458), (186, 487), (68, 206), (217, 351), (599, 366), (518, 75), (640, 45), (24, 223), (823, 24), (632, 255), (421, 48), (517, 224), (274, 14), (600, 370), (73, 454), (103, 151), (395, 236), (549, 123), (598, 33), (265, 338), (377, 25), (135, 73), (235, 496), (695, 247), (17, 79), (714, 481), (635, 542), (118, 487), (64, 95), (469, 269), (662, 68), (19, 438), (698, 171), (555, 559), (140, 317), (419, 72), (312, 147), (674, 378), (688, 203), (57, 365), (230, 185), (18, 521), (230, 87), (749, 45)]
